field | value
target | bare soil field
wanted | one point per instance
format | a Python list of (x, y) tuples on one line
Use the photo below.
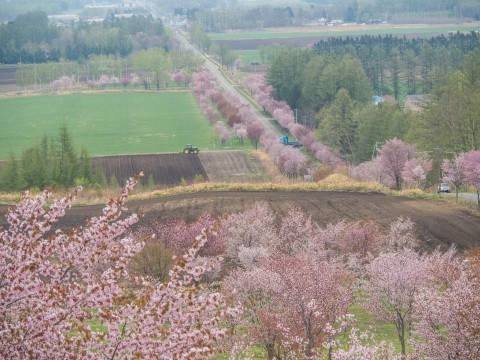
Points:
[(170, 169), (309, 41), (164, 169), (231, 166), (7, 79), (437, 223)]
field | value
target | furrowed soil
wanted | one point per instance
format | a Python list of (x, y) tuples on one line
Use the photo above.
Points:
[(169, 169), (437, 223)]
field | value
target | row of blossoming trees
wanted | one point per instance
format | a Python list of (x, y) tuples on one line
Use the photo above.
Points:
[(411, 170), (64, 82), (287, 286), (396, 164), (230, 118)]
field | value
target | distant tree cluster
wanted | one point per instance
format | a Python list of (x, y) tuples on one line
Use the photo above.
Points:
[(309, 81), (450, 120), (30, 38), (216, 16), (391, 60), (151, 68), (52, 161)]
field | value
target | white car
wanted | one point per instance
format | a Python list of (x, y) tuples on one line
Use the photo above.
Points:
[(443, 187)]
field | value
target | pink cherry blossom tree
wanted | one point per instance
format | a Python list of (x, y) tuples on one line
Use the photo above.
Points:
[(416, 170), (240, 132), (448, 325), (92, 84), (368, 171), (293, 304), (260, 318), (296, 231), (401, 235), (56, 84), (454, 171), (114, 80), (254, 132), (360, 242), (135, 80), (223, 132), (53, 284), (178, 235), (253, 228), (394, 279), (393, 156), (125, 81), (472, 171), (178, 77), (313, 297), (103, 81)]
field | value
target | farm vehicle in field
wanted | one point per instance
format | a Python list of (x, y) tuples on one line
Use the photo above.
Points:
[(189, 149), (284, 141)]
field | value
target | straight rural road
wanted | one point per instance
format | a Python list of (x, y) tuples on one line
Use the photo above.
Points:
[(214, 68)]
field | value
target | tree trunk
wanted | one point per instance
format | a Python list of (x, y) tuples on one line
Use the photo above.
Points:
[(270, 351)]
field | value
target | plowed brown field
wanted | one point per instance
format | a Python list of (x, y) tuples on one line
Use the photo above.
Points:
[(169, 169), (437, 223), (165, 169)]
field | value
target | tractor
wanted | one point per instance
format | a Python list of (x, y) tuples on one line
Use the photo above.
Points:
[(189, 149)]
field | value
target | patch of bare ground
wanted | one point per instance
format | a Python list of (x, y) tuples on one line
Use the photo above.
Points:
[(231, 166), (163, 169)]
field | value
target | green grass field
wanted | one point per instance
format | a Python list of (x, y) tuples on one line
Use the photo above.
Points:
[(108, 123), (249, 56), (332, 33)]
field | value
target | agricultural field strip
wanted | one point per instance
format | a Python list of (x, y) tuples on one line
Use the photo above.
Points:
[(336, 33), (107, 124)]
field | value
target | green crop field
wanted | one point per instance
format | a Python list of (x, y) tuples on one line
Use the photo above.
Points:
[(107, 123), (329, 31), (249, 56)]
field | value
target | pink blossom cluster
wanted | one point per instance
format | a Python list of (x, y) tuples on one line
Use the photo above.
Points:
[(63, 82), (244, 123), (395, 166), (281, 112), (55, 284), (285, 310), (104, 80)]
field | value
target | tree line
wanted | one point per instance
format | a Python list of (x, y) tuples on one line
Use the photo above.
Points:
[(151, 67), (51, 161), (390, 60), (234, 15), (30, 38)]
